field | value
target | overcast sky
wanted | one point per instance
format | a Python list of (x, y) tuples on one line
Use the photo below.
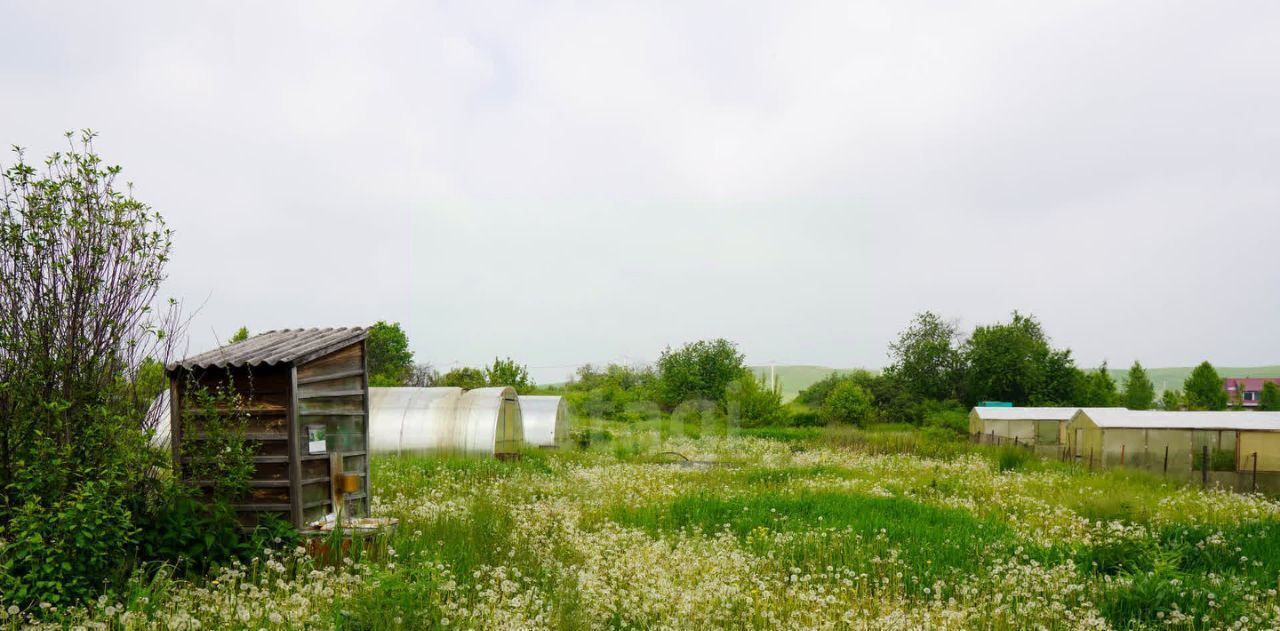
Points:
[(566, 182)]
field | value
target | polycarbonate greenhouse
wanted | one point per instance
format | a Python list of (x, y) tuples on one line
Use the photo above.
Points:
[(484, 421), (158, 419), (1024, 425), (1175, 442), (411, 419), (546, 420)]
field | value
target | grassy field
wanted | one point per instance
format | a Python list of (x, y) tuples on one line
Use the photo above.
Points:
[(791, 528)]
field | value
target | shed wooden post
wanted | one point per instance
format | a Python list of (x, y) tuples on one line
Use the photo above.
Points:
[(1204, 467), (175, 424), (295, 451), (1255, 472)]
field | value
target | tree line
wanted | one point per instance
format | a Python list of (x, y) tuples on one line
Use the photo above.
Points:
[(935, 373)]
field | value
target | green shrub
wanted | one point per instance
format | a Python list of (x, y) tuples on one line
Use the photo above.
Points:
[(946, 415), (506, 372), (188, 531), (801, 415), (847, 403), (619, 393), (698, 371), (64, 550), (584, 438), (753, 402), (1011, 458), (465, 377)]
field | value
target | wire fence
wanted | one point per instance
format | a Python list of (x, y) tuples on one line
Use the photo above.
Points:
[(1220, 461)]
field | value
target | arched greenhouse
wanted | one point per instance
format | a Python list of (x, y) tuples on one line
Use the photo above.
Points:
[(484, 421), (546, 420)]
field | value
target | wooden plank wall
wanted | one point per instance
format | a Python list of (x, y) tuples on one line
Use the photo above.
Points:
[(333, 391), (266, 395)]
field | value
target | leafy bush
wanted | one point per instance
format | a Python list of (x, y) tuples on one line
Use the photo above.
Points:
[(63, 550), (801, 415), (699, 371), (80, 266), (506, 372), (1011, 458), (615, 392), (223, 458), (584, 438), (847, 403), (188, 531), (817, 392), (198, 535), (464, 377), (390, 360), (753, 402), (945, 415)]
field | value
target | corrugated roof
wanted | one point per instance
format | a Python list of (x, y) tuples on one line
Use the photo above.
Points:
[(1025, 414), (274, 347), (1249, 383), (1156, 419)]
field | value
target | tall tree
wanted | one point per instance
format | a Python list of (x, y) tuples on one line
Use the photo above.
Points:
[(464, 377), (1098, 389), (1270, 397), (1061, 381), (847, 403), (1171, 400), (1139, 392), (390, 360), (424, 376), (81, 262), (1014, 362), (698, 371), (926, 357), (506, 372), (1203, 389)]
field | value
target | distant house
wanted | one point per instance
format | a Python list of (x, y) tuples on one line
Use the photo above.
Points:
[(1246, 391)]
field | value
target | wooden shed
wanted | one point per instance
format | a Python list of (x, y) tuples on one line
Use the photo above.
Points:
[(304, 395)]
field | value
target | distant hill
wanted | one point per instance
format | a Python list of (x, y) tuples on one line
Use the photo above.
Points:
[(797, 378), (1173, 378)]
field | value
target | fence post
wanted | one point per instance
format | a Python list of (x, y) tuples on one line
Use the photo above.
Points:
[(1122, 455), (1204, 466), (1166, 460), (1091, 458), (1255, 472)]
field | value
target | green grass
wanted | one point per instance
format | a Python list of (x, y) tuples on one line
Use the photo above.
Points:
[(792, 528), (844, 530)]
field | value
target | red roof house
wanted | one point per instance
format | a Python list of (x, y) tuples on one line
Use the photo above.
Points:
[(1246, 390)]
